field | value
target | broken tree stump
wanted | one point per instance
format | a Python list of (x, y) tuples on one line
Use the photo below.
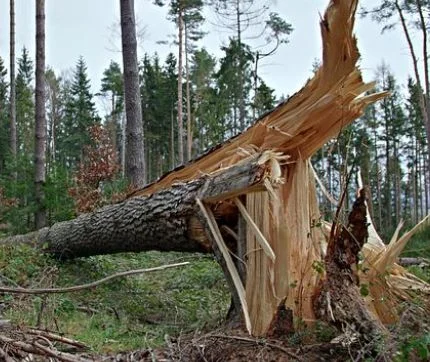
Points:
[(338, 300)]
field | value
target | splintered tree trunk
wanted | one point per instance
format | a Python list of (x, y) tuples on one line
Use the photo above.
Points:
[(134, 147), (339, 300), (166, 220)]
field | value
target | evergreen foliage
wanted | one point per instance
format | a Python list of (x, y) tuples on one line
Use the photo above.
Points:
[(225, 95), (79, 115)]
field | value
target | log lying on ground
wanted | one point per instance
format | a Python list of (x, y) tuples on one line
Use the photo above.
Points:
[(165, 220), (408, 261)]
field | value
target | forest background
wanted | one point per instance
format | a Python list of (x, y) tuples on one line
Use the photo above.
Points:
[(222, 95)]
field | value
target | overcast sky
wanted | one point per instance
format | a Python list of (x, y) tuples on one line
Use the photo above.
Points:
[(84, 27)]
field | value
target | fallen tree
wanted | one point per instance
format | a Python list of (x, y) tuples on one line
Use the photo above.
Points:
[(166, 220)]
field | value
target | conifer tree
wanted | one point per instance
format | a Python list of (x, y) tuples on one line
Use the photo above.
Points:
[(187, 15), (411, 15), (80, 114), (264, 100), (249, 16), (25, 106), (209, 108), (235, 84), (54, 115), (113, 86)]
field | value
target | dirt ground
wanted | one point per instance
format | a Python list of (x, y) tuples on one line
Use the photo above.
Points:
[(234, 347)]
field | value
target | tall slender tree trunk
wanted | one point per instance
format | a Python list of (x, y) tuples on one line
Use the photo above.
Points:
[(135, 155), (425, 57), (240, 70), (189, 120), (172, 140), (123, 142), (13, 137), (180, 53), (40, 121)]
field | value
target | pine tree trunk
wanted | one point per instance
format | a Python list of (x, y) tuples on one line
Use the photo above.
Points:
[(135, 155), (13, 135), (180, 66), (240, 70), (40, 122), (166, 221), (189, 125), (172, 140)]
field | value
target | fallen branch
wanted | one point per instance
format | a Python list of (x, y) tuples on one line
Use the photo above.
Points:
[(62, 356), (88, 285), (55, 337), (421, 262), (38, 349), (5, 357)]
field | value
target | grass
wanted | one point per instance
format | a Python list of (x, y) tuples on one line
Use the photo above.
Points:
[(419, 246), (139, 311), (124, 314)]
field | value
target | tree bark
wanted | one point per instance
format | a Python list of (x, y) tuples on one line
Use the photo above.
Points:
[(242, 111), (189, 120), (135, 162), (180, 56), (165, 221), (338, 300), (40, 122), (13, 137)]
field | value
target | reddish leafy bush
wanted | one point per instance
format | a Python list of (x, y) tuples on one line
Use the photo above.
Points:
[(99, 164)]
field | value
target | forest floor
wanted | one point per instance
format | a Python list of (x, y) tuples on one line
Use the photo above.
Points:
[(175, 314)]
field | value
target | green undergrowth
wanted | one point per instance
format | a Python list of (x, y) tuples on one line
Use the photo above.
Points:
[(419, 246), (123, 314)]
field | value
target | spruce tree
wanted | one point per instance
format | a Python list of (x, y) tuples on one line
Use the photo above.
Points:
[(158, 98), (264, 99), (80, 114), (208, 110), (25, 105), (234, 83)]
